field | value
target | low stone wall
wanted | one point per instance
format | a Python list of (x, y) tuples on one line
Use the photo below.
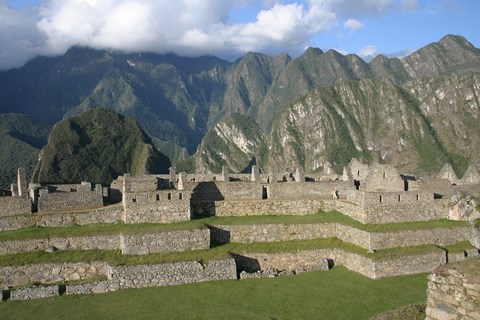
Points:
[(405, 265), (412, 238), (17, 222), (369, 240), (270, 232), (109, 215), (304, 260), (61, 219), (454, 291), (374, 269), (37, 292), (13, 276), (141, 243), (121, 277), (173, 241), (256, 207), (70, 200), (10, 206), (170, 274)]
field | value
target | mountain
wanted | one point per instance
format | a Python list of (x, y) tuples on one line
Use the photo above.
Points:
[(178, 101), (98, 146), (417, 128), (21, 138), (236, 142), (169, 96)]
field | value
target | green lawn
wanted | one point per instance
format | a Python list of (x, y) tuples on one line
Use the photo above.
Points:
[(333, 294)]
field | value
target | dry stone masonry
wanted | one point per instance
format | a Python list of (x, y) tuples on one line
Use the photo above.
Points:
[(454, 292), (375, 194)]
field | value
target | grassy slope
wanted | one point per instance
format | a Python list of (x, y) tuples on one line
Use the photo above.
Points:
[(335, 294)]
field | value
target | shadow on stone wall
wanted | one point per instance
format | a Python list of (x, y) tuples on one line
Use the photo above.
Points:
[(246, 264), (219, 236)]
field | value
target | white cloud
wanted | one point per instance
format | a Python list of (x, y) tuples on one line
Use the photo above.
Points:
[(410, 5), (187, 27), (368, 53), (353, 25)]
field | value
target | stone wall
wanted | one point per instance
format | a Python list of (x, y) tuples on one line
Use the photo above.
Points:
[(56, 201), (218, 190), (308, 260), (10, 206), (173, 241), (454, 291), (16, 222), (270, 232), (369, 240), (13, 276), (308, 190), (374, 269), (412, 238), (383, 178), (256, 207), (109, 215), (403, 206), (390, 207), (121, 277), (142, 243), (170, 274), (161, 206)]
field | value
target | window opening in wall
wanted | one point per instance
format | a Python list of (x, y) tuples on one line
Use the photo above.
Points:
[(398, 197), (380, 198), (384, 175), (356, 183), (134, 200), (417, 196), (265, 193), (158, 197), (358, 173), (169, 196), (180, 196), (73, 190)]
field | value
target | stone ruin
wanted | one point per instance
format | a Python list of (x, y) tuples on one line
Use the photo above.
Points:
[(373, 194)]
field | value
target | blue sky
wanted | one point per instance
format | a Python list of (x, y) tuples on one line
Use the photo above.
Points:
[(230, 28)]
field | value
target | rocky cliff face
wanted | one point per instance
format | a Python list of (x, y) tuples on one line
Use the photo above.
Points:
[(237, 142), (416, 127)]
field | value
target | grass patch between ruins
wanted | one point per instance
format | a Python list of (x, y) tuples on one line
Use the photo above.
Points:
[(333, 294)]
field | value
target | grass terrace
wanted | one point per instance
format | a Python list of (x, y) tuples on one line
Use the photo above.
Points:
[(319, 217), (116, 258), (337, 294)]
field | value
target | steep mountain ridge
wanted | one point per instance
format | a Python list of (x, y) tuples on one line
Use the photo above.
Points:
[(177, 100)]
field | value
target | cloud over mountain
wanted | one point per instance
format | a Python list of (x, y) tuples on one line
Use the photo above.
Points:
[(186, 27)]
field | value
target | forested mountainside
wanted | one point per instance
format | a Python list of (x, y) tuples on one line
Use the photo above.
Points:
[(21, 138), (351, 104), (97, 146)]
